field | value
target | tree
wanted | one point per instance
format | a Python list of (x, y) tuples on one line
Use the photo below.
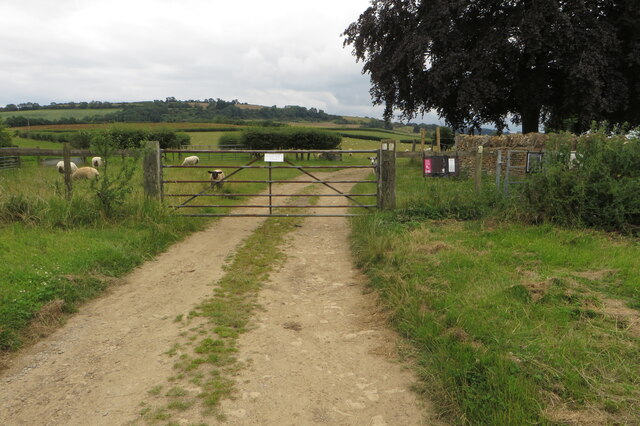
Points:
[(488, 61)]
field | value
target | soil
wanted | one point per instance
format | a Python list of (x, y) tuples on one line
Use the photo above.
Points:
[(319, 350)]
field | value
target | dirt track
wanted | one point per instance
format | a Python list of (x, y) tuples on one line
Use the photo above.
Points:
[(319, 352)]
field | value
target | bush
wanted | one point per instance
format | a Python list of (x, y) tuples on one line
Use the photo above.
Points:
[(81, 139), (5, 136), (599, 189), (229, 139), (111, 189), (169, 139), (288, 138)]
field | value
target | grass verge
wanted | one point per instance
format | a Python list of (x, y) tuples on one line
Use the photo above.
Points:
[(511, 324)]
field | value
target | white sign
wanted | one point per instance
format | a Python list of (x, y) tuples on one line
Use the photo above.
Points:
[(452, 165), (273, 158)]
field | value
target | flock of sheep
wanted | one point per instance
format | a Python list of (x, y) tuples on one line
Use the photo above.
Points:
[(83, 172), (217, 176)]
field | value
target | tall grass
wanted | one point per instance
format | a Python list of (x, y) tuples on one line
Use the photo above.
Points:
[(509, 322)]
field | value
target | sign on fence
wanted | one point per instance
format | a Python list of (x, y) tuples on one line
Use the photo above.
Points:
[(274, 158), (440, 165)]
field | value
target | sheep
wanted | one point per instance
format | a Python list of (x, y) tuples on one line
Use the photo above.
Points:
[(60, 166), (374, 163), (191, 161), (96, 161), (217, 176), (86, 173)]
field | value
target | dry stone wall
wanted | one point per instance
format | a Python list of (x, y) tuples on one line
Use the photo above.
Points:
[(492, 144)]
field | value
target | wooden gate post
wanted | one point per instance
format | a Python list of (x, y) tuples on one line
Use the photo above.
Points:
[(387, 175), (151, 170), (66, 154)]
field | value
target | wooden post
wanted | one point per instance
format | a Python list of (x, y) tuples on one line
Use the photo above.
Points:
[(498, 168), (438, 139), (387, 175), (37, 158), (413, 146), (151, 170), (478, 171), (66, 154), (423, 134)]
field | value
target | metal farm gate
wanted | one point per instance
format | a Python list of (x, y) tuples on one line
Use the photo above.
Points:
[(267, 161)]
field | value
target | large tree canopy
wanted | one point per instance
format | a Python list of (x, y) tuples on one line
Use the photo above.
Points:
[(558, 62)]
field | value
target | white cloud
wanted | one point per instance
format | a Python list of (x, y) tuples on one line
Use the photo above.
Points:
[(273, 53)]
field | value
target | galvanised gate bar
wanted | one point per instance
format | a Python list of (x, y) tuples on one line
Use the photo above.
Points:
[(185, 200)]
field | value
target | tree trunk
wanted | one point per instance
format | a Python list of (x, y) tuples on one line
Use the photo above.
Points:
[(530, 119)]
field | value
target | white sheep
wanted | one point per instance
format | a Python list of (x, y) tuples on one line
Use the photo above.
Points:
[(60, 166), (374, 163), (217, 176), (191, 161), (96, 162), (86, 173)]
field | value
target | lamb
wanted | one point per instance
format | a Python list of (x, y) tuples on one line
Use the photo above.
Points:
[(96, 162), (191, 161), (60, 166), (86, 173), (217, 176)]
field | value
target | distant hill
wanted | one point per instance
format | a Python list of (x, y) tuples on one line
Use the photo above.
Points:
[(169, 110)]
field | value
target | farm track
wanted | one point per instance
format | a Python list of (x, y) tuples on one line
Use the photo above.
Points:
[(318, 351)]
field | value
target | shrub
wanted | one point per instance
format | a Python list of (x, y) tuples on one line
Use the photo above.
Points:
[(230, 139), (112, 189), (288, 138), (5, 136), (599, 189), (169, 139), (81, 139)]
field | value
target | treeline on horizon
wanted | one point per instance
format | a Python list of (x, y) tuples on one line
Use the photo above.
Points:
[(209, 110), (169, 110)]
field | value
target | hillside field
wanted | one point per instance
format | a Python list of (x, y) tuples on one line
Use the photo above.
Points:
[(57, 114)]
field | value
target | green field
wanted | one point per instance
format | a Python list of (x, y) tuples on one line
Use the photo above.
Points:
[(57, 114)]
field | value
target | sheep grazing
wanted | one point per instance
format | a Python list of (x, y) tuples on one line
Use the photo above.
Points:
[(60, 166), (96, 161), (217, 176), (191, 161), (86, 173)]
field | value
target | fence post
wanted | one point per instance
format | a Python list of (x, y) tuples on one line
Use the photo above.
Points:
[(498, 169), (151, 170), (37, 158), (387, 175), (438, 139), (478, 171), (66, 154)]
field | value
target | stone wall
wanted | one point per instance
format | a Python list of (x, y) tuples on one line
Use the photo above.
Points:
[(492, 144)]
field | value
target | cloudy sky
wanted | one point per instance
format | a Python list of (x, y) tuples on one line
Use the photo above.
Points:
[(278, 52)]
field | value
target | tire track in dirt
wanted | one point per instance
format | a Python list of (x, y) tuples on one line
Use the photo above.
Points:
[(320, 350), (101, 363)]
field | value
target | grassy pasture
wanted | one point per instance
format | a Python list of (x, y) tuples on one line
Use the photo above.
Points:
[(56, 114), (145, 126), (509, 324)]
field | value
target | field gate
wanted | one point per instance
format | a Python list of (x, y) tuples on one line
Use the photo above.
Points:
[(183, 201)]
